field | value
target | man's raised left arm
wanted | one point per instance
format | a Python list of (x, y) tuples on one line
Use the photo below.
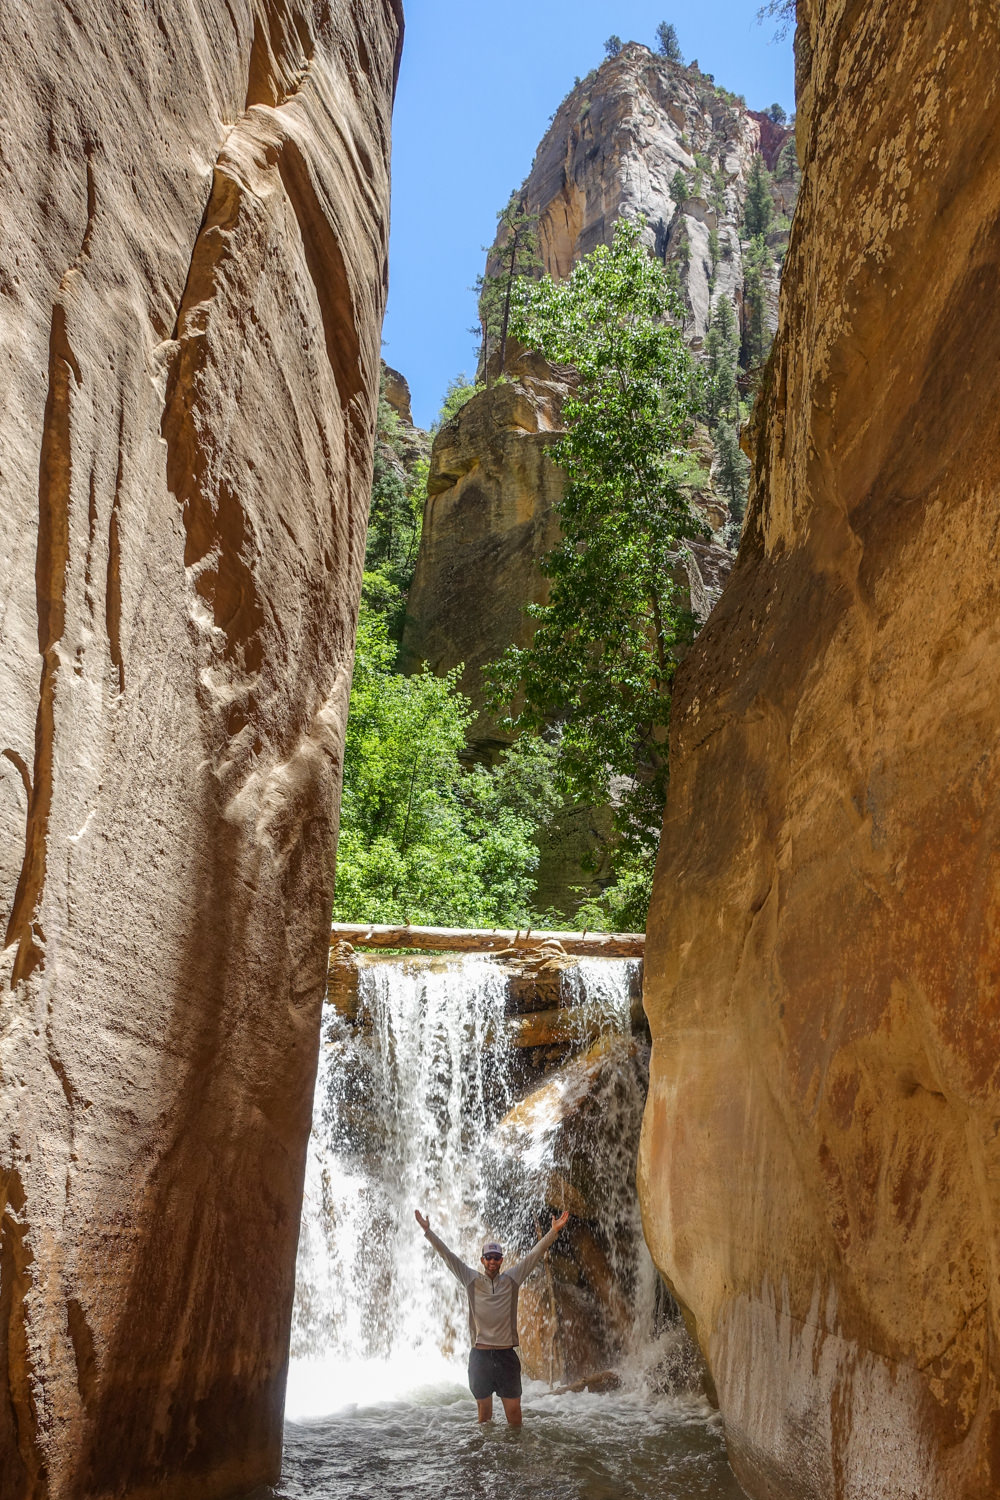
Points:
[(523, 1269)]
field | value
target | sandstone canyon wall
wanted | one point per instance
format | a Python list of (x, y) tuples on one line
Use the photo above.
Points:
[(193, 278), (820, 1168)]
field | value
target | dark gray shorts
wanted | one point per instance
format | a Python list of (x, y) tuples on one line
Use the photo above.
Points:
[(496, 1370)]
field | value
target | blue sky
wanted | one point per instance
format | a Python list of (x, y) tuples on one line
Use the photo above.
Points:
[(477, 85)]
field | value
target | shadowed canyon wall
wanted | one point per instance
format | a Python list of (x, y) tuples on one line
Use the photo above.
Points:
[(193, 279), (820, 1168)]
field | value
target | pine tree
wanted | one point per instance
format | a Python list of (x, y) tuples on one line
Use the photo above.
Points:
[(787, 166), (776, 114), (756, 336), (516, 255), (680, 188), (733, 468), (759, 208), (612, 46), (666, 37), (722, 349)]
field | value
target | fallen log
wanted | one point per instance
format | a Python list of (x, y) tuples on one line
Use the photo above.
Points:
[(490, 940)]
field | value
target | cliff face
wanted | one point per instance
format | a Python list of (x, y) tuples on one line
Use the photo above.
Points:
[(193, 290), (614, 147), (489, 516), (820, 1161)]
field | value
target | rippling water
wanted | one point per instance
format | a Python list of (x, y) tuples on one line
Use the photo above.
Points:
[(572, 1447), (378, 1408)]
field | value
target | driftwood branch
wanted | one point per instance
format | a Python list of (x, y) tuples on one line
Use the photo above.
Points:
[(492, 940)]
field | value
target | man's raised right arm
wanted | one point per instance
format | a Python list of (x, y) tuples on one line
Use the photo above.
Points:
[(456, 1265)]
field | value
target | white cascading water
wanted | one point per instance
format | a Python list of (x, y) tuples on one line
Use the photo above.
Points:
[(407, 1102)]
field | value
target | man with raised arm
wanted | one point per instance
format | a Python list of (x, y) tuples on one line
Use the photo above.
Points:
[(492, 1293)]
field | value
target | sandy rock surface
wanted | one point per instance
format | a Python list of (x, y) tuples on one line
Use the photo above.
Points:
[(193, 281), (820, 1162), (489, 516)]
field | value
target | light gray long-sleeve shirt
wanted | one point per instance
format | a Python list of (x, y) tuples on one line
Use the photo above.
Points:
[(493, 1299)]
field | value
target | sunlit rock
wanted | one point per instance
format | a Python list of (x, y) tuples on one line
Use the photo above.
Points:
[(820, 1161), (195, 239)]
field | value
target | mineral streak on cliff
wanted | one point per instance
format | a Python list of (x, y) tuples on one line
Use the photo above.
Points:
[(820, 1164), (193, 285)]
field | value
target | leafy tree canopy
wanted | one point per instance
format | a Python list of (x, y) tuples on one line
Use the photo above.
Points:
[(602, 660), (423, 839), (613, 46), (776, 114), (394, 519), (460, 389), (782, 12)]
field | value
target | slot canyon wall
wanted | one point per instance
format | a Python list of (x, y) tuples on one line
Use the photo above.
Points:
[(192, 283), (820, 1166)]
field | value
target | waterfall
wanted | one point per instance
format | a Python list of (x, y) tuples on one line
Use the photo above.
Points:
[(428, 1097)]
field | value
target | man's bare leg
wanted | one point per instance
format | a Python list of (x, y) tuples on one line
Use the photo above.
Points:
[(511, 1409), (486, 1409)]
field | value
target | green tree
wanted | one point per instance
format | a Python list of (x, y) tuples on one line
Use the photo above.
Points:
[(720, 364), (399, 488), (714, 256), (460, 389), (666, 40), (787, 166), (612, 46), (423, 838), (758, 211), (515, 255), (733, 468), (680, 189), (602, 659), (776, 114), (756, 334)]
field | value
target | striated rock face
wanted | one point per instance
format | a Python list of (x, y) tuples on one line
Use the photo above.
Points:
[(614, 147), (192, 290), (820, 1168), (397, 393)]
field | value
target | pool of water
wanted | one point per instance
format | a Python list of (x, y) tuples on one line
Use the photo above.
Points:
[(398, 1444)]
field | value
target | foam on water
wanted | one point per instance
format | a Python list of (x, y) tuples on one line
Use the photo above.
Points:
[(407, 1103)]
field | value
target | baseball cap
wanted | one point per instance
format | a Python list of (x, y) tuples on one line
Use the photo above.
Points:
[(492, 1248)]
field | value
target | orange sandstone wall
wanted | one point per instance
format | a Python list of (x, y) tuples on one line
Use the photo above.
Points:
[(195, 203), (820, 1167)]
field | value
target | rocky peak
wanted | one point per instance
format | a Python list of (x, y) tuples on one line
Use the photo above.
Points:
[(620, 143), (396, 389), (772, 137)]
